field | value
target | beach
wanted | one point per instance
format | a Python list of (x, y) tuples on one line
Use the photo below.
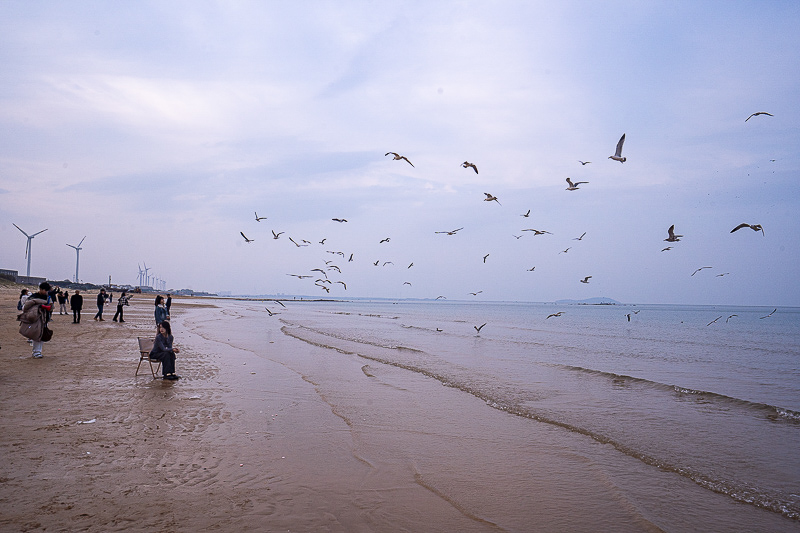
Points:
[(270, 430)]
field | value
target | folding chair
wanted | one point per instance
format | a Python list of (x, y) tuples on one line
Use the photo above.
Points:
[(145, 345)]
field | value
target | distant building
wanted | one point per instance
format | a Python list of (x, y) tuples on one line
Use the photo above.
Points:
[(10, 275)]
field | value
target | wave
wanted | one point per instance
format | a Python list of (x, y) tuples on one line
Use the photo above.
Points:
[(738, 491), (772, 412)]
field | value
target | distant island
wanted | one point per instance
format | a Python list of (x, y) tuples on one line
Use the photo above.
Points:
[(601, 300)]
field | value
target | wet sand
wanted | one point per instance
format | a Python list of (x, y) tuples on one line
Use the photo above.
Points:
[(269, 433)]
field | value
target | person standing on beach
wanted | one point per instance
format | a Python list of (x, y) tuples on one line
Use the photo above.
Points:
[(161, 310), (169, 302), (101, 301), (23, 296), (164, 352), (121, 302), (62, 303), (33, 319), (76, 303)]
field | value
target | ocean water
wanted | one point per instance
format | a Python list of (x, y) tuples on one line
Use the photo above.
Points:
[(717, 402)]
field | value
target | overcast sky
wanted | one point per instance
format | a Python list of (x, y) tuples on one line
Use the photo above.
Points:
[(157, 130)]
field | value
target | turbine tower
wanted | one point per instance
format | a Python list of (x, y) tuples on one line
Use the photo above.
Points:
[(146, 277), (141, 274), (28, 246), (78, 256)]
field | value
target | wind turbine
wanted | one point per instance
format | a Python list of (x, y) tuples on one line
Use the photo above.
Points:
[(146, 277), (78, 256), (141, 272), (28, 246)]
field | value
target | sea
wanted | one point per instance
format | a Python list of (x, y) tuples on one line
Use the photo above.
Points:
[(709, 393)]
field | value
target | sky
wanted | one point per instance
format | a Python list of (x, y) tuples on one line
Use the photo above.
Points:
[(157, 130)]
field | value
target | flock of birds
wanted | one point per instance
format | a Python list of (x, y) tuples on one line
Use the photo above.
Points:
[(322, 272)]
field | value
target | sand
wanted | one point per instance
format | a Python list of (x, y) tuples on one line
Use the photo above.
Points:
[(268, 433)]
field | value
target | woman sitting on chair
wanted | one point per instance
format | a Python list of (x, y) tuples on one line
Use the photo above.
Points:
[(164, 352)]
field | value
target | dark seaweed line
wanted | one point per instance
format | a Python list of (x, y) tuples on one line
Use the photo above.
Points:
[(740, 494), (773, 410)]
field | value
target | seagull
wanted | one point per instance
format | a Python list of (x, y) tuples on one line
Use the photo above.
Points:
[(298, 276), (453, 232), (281, 303), (769, 315), (579, 238), (376, 262), (409, 266), (574, 186), (531, 269), (759, 113), (618, 154), (518, 237), (565, 251), (298, 245), (270, 312), (490, 198), (343, 284), (526, 215), (351, 259), (484, 257), (720, 316), (476, 293), (698, 270), (245, 237), (667, 248), (586, 279), (387, 263), (320, 271), (537, 232), (726, 320), (276, 235), (629, 317), (672, 237), (336, 268), (258, 218), (478, 328), (583, 162), (467, 164), (323, 240), (754, 227), (723, 274), (384, 240), (555, 314), (407, 283), (398, 157), (339, 219)]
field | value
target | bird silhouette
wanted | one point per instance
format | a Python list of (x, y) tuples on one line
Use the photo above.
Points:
[(586, 279), (295, 243), (583, 162), (666, 249), (565, 251), (526, 215), (245, 238), (479, 328), (258, 218), (754, 227), (726, 320), (555, 314), (618, 154), (698, 270), (467, 164), (299, 276), (769, 315), (343, 284), (672, 237), (720, 316), (484, 257), (277, 235), (339, 219), (537, 232), (759, 113), (452, 232), (531, 269), (398, 157), (476, 293), (323, 241), (574, 186), (384, 240)]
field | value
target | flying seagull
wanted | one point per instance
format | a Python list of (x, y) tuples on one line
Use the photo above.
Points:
[(586, 279), (518, 237), (574, 186), (756, 114), (538, 232), (531, 269), (490, 198), (478, 328), (672, 237), (467, 164), (667, 248), (277, 235), (726, 320), (245, 237), (526, 215), (723, 274), (698, 270), (754, 227), (343, 284), (258, 218), (299, 276), (555, 314), (323, 240), (407, 283), (398, 157), (720, 316), (384, 240), (270, 312), (583, 162), (484, 257), (452, 232), (579, 238), (339, 219), (476, 293), (769, 315), (565, 251), (618, 154), (298, 245), (441, 298), (409, 266)]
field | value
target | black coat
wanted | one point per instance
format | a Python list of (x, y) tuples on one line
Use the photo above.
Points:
[(76, 302)]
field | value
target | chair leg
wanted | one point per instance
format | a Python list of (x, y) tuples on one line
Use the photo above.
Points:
[(158, 366), (137, 367)]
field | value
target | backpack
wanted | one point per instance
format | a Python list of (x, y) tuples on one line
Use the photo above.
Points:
[(19, 305)]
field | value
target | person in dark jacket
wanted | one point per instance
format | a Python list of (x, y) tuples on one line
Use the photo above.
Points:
[(33, 319), (101, 301), (163, 351), (161, 313), (76, 303), (122, 301)]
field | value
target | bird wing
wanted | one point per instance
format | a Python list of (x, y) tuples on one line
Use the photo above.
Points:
[(407, 161), (393, 153), (618, 153), (740, 226), (569, 182)]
